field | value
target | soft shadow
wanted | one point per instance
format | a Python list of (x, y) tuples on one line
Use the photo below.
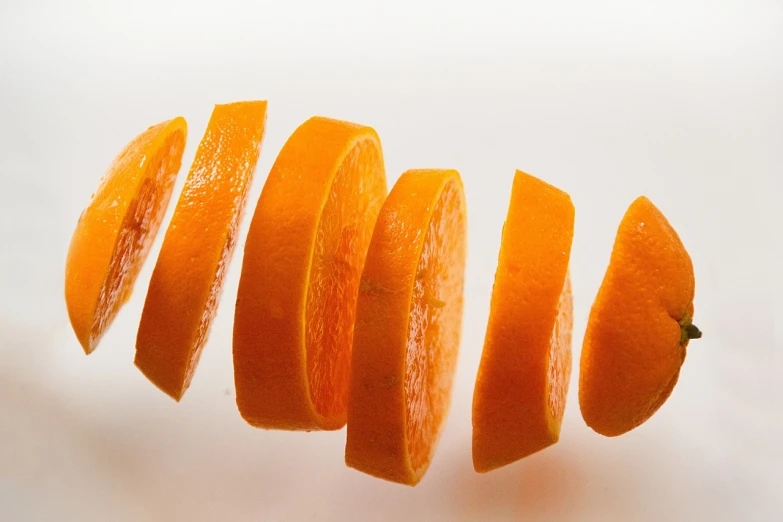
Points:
[(541, 487), (551, 482)]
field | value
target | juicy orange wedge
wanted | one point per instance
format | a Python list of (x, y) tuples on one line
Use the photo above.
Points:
[(115, 231), (186, 283), (525, 368), (640, 324), (408, 327), (295, 309)]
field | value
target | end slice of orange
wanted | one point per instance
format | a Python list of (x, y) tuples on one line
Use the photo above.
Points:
[(525, 368), (408, 327), (305, 250), (115, 231), (640, 324), (186, 283)]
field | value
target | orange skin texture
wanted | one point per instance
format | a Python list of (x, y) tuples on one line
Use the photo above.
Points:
[(523, 377), (408, 328), (198, 246), (116, 230), (296, 304), (634, 345)]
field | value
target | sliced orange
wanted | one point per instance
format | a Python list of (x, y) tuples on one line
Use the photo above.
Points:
[(295, 309), (115, 231), (523, 377), (186, 283), (640, 324), (408, 327)]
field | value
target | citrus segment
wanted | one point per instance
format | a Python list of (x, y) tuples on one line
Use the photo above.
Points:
[(115, 232), (305, 250), (522, 382), (186, 283), (408, 327)]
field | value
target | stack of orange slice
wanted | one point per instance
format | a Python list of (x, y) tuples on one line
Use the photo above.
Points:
[(349, 308)]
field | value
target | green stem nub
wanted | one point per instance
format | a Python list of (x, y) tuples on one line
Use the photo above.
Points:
[(688, 330), (692, 332)]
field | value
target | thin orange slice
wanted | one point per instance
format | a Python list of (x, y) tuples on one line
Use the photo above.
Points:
[(295, 310), (186, 283), (639, 326), (115, 231), (408, 327), (522, 382)]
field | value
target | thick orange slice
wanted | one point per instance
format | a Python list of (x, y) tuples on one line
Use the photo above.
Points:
[(115, 231), (639, 326), (408, 327), (522, 382), (186, 283), (295, 310)]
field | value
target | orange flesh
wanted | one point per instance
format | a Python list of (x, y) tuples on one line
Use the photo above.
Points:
[(634, 347), (408, 328), (296, 303), (434, 327), (334, 281), (523, 377), (116, 231), (559, 375), (186, 283)]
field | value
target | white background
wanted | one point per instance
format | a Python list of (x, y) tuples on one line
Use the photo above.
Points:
[(681, 101)]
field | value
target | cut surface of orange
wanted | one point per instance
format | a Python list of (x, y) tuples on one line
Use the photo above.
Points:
[(197, 248), (525, 368), (639, 326), (408, 327), (296, 304), (116, 230)]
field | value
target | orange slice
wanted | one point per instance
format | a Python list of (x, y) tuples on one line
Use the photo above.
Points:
[(186, 283), (408, 327), (522, 382), (115, 231), (639, 326), (295, 309)]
